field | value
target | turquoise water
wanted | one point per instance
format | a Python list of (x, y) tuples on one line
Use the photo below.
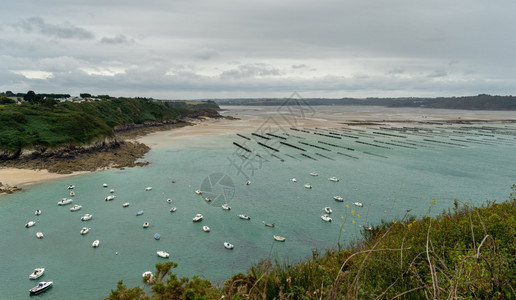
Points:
[(388, 181)]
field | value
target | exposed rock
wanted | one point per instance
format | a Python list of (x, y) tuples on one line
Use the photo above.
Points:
[(5, 188)]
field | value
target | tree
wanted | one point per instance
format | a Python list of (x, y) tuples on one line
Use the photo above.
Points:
[(30, 97)]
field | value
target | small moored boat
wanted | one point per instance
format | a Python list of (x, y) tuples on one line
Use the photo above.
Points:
[(37, 212), (198, 192), (169, 200), (110, 197), (368, 228), (72, 193), (207, 199), (105, 185), (76, 207), (71, 187), (314, 174), (228, 245), (86, 217), (125, 204), (163, 254), (268, 224), (293, 180), (334, 179), (328, 210), (30, 224), (37, 273), (338, 198), (308, 186), (41, 287), (145, 225), (139, 213), (173, 209), (248, 182), (39, 235), (359, 204), (226, 206), (326, 218), (84, 230), (197, 218), (64, 201), (244, 217), (148, 276), (95, 244), (278, 238), (111, 191), (148, 188), (206, 228), (157, 236)]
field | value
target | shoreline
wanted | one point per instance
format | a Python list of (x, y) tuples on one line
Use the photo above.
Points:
[(234, 120)]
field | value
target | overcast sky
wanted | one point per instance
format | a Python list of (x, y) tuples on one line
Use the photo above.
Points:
[(190, 49)]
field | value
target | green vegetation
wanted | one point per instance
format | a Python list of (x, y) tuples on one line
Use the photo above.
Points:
[(42, 122), (465, 253)]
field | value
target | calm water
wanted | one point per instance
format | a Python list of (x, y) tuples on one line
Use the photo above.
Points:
[(389, 172)]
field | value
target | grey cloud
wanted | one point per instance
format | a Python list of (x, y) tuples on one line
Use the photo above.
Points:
[(206, 54), (118, 39), (62, 31), (250, 70), (437, 74), (300, 66)]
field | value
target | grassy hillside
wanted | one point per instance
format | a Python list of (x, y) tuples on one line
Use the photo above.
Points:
[(36, 125), (466, 253)]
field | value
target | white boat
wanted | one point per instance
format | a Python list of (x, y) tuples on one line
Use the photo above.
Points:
[(328, 210), (245, 217), (173, 209), (308, 186), (293, 180), (226, 206), (71, 187), (39, 235), (104, 185), (228, 245), (338, 198), (86, 217), (84, 230), (314, 174), (72, 193), (197, 218), (169, 200), (95, 244), (64, 201), (111, 191), (198, 192), (37, 273), (30, 224), (148, 188), (334, 179), (41, 287), (359, 204), (37, 212), (110, 197), (76, 207), (207, 199), (125, 204), (148, 276), (163, 254), (326, 218), (145, 225), (206, 228), (268, 224), (279, 238), (248, 182), (368, 228)]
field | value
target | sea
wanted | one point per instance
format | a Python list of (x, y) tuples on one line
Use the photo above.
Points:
[(393, 168)]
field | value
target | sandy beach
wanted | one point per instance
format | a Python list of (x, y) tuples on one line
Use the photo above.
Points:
[(252, 118)]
